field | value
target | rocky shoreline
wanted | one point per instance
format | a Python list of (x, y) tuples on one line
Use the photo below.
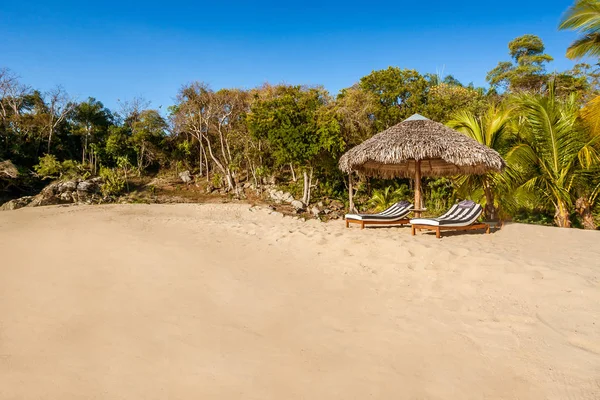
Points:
[(88, 191)]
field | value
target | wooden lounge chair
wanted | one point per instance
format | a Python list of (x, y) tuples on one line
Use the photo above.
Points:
[(461, 217), (394, 215)]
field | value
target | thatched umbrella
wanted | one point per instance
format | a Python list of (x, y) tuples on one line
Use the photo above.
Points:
[(419, 147)]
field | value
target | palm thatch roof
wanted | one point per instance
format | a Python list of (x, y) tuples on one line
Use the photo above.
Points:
[(8, 170), (442, 152)]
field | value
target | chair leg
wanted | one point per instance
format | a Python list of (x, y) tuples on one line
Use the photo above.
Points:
[(362, 224), (412, 230), (487, 230), (438, 233), (347, 224)]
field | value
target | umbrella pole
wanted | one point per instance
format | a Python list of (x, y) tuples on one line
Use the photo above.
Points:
[(350, 193), (418, 184)]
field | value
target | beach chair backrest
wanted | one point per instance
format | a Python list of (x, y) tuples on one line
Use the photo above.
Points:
[(465, 209), (404, 204), (396, 208)]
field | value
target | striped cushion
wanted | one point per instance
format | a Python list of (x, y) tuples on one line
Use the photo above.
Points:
[(395, 212), (461, 214)]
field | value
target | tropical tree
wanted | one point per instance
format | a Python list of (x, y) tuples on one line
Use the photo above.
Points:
[(58, 106), (217, 121), (354, 109), (147, 132), (527, 71), (91, 121), (554, 151), (8, 174), (589, 194), (492, 128), (584, 17), (292, 121), (445, 99), (400, 93)]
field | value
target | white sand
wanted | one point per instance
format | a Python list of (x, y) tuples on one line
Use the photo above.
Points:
[(223, 302)]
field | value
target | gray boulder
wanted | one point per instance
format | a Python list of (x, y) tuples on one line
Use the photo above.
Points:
[(66, 196), (336, 205), (87, 186), (16, 203), (287, 197), (279, 196), (67, 186), (297, 204), (185, 176)]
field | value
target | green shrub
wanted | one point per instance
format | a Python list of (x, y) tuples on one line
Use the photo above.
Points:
[(216, 180), (48, 167), (114, 181), (383, 199), (293, 188), (537, 217), (72, 169), (262, 171), (440, 195)]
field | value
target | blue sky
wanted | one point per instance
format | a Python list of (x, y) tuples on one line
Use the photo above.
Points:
[(119, 49)]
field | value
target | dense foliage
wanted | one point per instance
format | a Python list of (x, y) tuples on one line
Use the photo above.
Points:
[(546, 125)]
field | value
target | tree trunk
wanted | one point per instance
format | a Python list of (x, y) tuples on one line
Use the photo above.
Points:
[(306, 187), (225, 171), (490, 207), (230, 181), (253, 172), (308, 192), (561, 216), (206, 163), (85, 145), (126, 179), (140, 161), (50, 139), (293, 173), (584, 209), (200, 165)]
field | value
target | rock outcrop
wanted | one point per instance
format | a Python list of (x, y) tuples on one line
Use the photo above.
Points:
[(281, 197), (76, 191)]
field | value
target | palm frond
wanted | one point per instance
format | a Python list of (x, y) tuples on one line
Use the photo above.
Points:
[(590, 114), (382, 199), (586, 46), (584, 17)]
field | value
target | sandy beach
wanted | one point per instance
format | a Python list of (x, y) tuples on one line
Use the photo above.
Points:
[(233, 302)]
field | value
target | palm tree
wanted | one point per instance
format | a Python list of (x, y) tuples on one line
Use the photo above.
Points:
[(383, 199), (554, 150), (493, 130), (90, 118), (589, 194), (583, 16)]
